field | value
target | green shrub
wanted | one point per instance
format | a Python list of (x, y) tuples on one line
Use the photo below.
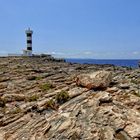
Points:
[(38, 78), (51, 104), (62, 97), (46, 86), (16, 110)]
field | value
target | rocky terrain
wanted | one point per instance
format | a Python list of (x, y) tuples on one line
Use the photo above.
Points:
[(44, 100)]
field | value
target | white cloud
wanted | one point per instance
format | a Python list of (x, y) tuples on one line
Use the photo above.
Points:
[(55, 53), (94, 55), (88, 53), (135, 53)]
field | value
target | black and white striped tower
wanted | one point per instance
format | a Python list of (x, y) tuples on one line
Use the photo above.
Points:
[(29, 39), (28, 51)]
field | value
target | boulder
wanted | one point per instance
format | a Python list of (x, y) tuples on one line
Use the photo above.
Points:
[(124, 86), (104, 97), (99, 79)]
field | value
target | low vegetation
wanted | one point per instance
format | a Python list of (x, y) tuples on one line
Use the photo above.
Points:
[(136, 81), (38, 78), (62, 97), (51, 104), (46, 86), (16, 110)]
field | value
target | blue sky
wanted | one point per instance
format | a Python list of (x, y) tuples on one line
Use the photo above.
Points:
[(101, 29)]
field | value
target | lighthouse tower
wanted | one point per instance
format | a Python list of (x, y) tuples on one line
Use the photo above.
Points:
[(28, 51)]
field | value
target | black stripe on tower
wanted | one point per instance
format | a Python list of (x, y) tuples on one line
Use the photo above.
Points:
[(29, 35), (29, 41), (29, 48)]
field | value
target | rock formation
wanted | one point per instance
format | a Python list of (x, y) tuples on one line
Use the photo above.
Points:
[(48, 100)]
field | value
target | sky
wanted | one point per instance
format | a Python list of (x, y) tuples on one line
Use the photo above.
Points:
[(98, 29)]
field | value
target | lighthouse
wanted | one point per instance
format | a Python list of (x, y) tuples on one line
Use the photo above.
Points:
[(28, 51)]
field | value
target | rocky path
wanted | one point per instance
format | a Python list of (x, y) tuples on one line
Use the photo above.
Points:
[(40, 100)]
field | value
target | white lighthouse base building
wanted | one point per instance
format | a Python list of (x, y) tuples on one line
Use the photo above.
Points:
[(27, 53)]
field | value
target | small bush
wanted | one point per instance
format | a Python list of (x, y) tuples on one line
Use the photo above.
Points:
[(17, 110), (62, 97), (51, 104), (136, 81), (38, 78), (46, 86)]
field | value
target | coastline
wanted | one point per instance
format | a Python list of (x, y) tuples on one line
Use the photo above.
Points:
[(117, 62)]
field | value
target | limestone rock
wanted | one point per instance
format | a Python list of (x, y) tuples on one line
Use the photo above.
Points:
[(112, 89), (124, 86), (99, 79), (3, 79), (13, 97), (133, 130), (76, 91), (3, 85), (31, 77), (65, 125), (107, 133), (104, 97)]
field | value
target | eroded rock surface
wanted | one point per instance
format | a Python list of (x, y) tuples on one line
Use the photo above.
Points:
[(40, 100)]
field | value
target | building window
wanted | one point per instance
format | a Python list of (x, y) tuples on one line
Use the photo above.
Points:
[(29, 41)]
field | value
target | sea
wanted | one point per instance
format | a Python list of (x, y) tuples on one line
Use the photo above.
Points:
[(118, 62)]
